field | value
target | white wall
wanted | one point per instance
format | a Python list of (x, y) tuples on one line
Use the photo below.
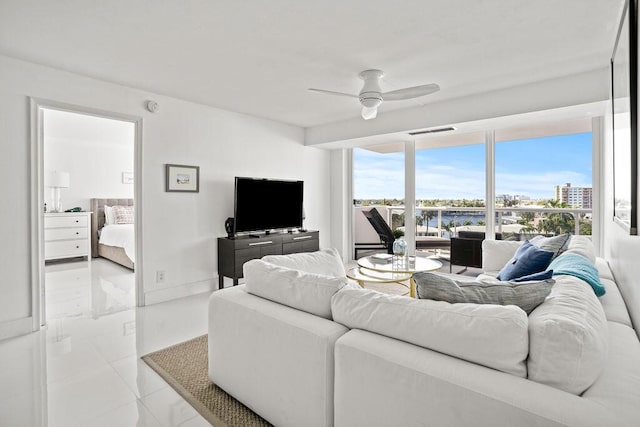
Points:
[(621, 250), (95, 165), (179, 229)]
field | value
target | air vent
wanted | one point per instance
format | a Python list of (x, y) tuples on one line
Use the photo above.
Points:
[(423, 132)]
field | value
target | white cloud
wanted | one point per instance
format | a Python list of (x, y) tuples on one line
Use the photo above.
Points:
[(382, 176)]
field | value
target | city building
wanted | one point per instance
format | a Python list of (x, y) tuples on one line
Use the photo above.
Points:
[(578, 197)]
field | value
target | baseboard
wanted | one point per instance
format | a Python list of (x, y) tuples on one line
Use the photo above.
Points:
[(167, 294), (14, 328)]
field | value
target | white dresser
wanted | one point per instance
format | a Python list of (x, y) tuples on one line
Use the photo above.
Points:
[(67, 235)]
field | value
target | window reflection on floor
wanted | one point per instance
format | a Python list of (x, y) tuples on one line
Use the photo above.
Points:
[(88, 289)]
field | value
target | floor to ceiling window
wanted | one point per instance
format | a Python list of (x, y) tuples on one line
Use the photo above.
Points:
[(450, 188), (378, 182), (543, 185)]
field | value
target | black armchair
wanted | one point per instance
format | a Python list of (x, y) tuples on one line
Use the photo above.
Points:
[(466, 249)]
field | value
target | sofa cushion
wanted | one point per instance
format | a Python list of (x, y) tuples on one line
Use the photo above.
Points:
[(325, 261), (613, 305), (556, 244), (618, 387), (527, 260), (491, 335), (526, 295), (496, 253), (568, 337), (582, 245), (304, 291), (603, 269)]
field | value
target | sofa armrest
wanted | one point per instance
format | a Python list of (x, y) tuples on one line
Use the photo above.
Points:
[(276, 360), (496, 253)]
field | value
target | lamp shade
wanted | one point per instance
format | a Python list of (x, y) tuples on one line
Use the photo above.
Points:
[(58, 179)]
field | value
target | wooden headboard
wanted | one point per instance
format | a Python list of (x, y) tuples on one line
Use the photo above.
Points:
[(97, 219)]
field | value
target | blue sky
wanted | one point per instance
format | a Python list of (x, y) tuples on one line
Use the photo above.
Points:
[(528, 167)]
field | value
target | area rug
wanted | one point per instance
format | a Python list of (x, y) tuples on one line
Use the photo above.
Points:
[(185, 367)]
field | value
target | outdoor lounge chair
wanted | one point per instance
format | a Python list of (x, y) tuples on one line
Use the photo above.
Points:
[(386, 236)]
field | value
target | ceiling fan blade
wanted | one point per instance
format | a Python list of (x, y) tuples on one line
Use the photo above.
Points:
[(369, 113), (330, 92), (410, 92)]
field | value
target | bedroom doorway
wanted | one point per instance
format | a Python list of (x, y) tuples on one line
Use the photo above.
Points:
[(86, 219)]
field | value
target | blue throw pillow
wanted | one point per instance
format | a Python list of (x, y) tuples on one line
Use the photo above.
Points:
[(543, 275), (528, 259)]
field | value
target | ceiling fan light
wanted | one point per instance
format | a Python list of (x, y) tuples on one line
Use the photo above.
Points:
[(369, 113)]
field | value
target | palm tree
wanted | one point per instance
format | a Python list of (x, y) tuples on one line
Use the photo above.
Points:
[(426, 216), (557, 222)]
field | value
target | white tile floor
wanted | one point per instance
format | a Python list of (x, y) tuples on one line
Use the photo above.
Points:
[(84, 369)]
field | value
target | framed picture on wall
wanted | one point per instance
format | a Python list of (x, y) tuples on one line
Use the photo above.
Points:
[(624, 111), (182, 178)]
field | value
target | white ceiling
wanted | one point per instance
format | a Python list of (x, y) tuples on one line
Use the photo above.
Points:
[(259, 57)]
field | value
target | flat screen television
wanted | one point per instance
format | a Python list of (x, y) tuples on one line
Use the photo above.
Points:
[(267, 204)]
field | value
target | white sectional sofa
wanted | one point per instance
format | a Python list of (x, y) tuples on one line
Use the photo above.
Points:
[(360, 358)]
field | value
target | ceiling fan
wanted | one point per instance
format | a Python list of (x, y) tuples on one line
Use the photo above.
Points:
[(371, 96)]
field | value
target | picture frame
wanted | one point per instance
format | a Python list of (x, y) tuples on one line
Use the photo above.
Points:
[(182, 178), (127, 177), (624, 120)]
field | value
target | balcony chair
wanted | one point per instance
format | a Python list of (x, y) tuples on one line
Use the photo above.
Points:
[(386, 236)]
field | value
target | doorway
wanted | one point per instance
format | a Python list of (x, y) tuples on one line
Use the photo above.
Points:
[(85, 170)]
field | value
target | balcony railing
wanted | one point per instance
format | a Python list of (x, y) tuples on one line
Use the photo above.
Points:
[(502, 219)]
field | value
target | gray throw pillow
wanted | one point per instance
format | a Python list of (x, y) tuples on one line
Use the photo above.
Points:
[(526, 295), (556, 244)]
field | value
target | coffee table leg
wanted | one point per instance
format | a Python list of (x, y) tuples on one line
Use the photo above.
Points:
[(361, 283), (412, 287)]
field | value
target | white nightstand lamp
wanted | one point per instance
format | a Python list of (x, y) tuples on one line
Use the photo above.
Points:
[(57, 180)]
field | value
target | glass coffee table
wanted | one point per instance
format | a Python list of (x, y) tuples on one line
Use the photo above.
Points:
[(395, 267), (363, 275)]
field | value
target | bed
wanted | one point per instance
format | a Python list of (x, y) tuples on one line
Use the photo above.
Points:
[(115, 242)]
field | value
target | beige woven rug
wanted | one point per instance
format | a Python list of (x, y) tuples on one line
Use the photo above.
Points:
[(185, 367)]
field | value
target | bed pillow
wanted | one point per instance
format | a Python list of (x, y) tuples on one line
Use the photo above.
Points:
[(555, 244), (528, 259), (108, 215), (526, 295), (123, 214)]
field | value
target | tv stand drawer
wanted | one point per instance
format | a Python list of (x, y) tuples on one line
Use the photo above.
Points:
[(233, 253)]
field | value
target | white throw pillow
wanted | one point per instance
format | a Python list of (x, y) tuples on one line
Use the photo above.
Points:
[(109, 217), (297, 289), (496, 253), (325, 261), (568, 337), (582, 245), (491, 335)]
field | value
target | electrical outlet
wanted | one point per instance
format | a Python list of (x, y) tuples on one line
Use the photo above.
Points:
[(160, 276)]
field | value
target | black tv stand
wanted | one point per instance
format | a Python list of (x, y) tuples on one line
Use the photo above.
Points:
[(233, 253)]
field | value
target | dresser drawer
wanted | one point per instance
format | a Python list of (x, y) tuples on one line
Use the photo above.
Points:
[(66, 221), (66, 248), (65, 233)]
